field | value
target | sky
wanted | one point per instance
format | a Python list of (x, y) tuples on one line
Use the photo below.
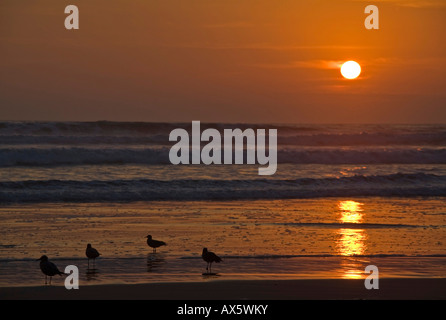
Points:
[(253, 61)]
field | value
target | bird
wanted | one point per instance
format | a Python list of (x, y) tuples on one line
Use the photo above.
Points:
[(209, 257), (91, 253), (154, 243), (48, 268)]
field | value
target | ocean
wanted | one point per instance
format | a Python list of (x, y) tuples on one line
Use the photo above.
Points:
[(343, 197)]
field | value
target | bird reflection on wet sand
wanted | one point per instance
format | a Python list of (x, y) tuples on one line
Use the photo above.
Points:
[(155, 261), (92, 274)]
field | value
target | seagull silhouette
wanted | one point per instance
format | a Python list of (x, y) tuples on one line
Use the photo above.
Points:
[(91, 253), (209, 257), (154, 243), (48, 268)]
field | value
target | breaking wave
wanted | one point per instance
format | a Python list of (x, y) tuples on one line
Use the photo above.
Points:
[(55, 156), (402, 185)]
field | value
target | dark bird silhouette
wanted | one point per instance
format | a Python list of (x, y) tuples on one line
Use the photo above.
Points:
[(210, 257), (91, 253), (154, 243), (48, 268)]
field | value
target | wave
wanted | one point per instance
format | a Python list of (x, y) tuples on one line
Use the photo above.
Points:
[(104, 132), (83, 128), (320, 140), (393, 185), (363, 156), (10, 157), (365, 139), (87, 140), (81, 156)]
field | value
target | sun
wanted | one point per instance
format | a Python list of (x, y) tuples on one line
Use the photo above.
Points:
[(350, 70)]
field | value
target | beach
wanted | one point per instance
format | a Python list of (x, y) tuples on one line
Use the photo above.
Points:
[(257, 240), (334, 289), (340, 201)]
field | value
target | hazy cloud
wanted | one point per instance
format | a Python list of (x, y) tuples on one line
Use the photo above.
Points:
[(305, 64)]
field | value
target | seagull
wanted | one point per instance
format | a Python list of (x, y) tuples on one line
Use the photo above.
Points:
[(154, 243), (48, 268), (209, 257), (91, 253)]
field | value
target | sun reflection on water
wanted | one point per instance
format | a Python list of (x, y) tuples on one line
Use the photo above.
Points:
[(351, 241), (351, 211)]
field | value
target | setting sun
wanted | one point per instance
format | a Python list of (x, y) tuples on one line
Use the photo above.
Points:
[(223, 150), (350, 70)]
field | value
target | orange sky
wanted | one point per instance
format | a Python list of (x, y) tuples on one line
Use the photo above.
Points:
[(223, 61)]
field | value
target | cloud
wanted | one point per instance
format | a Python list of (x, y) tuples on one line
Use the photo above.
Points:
[(336, 64), (426, 62), (318, 64), (305, 64)]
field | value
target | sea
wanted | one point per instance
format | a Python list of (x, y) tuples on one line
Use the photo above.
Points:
[(343, 197)]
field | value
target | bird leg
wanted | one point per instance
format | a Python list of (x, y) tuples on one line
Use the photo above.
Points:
[(46, 279)]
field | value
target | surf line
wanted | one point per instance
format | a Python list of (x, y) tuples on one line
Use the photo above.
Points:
[(188, 149)]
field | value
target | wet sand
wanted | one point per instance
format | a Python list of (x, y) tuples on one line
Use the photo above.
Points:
[(325, 289)]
